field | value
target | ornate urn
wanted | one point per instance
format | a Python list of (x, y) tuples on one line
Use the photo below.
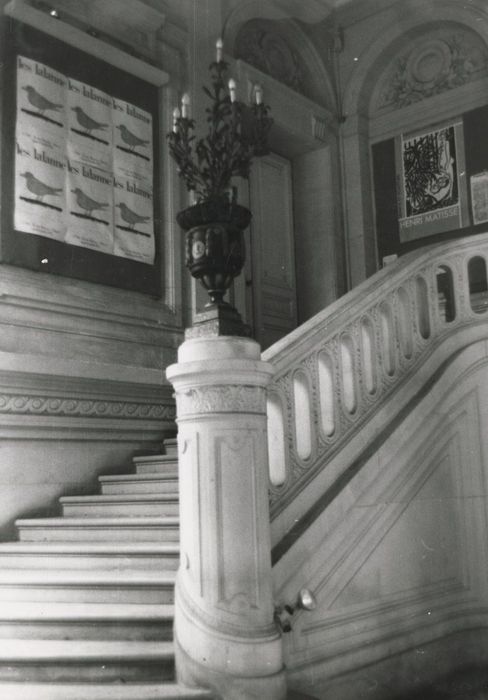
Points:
[(214, 246), (214, 227)]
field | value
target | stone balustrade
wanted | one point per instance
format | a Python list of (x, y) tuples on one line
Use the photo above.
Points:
[(334, 372)]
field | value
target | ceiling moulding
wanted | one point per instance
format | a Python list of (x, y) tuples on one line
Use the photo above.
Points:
[(349, 12), (310, 12), (63, 31)]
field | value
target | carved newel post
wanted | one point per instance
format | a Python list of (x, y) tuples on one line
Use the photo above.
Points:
[(224, 631), (225, 635)]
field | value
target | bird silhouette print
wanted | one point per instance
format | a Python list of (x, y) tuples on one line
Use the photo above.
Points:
[(129, 138), (85, 202), (39, 188), (87, 122), (131, 217), (40, 102)]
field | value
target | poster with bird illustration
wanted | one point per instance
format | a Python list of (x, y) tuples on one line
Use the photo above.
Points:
[(39, 187), (133, 143), (41, 95), (83, 166), (40, 154), (90, 127), (133, 206), (89, 200)]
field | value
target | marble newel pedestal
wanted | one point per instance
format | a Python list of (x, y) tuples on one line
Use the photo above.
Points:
[(224, 631)]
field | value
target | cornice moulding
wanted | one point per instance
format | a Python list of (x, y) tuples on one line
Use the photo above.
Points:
[(41, 399), (57, 28), (40, 291), (77, 429), (449, 104), (295, 114), (93, 374)]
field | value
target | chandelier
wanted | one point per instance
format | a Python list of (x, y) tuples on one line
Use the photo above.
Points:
[(215, 223), (237, 132)]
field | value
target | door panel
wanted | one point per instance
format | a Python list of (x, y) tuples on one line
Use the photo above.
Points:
[(272, 250)]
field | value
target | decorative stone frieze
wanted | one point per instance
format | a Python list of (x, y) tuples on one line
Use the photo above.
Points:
[(261, 45), (221, 398), (60, 406), (441, 61)]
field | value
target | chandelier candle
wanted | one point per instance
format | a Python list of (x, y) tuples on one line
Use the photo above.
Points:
[(219, 45)]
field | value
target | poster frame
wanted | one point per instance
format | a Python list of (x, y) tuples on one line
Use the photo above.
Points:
[(56, 257)]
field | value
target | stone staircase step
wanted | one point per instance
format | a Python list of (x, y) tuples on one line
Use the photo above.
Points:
[(130, 587), (86, 599), (156, 464), (100, 691), (140, 483), (99, 529), (171, 446), (81, 555), (85, 660), (45, 620), (128, 505)]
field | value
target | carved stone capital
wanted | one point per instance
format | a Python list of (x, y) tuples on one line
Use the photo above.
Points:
[(224, 398)]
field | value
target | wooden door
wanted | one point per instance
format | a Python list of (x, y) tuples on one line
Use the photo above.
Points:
[(270, 273)]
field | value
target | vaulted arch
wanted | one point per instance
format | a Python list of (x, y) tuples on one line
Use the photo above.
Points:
[(421, 52), (278, 45)]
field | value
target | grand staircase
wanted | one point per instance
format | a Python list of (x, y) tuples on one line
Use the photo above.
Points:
[(378, 464), (86, 599)]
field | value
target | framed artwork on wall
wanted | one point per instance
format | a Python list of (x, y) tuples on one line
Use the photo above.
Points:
[(436, 204), (81, 148), (431, 173)]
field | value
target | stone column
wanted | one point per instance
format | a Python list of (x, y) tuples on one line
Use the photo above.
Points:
[(224, 631), (360, 232)]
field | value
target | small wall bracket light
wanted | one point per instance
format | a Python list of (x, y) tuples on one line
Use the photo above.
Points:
[(283, 613)]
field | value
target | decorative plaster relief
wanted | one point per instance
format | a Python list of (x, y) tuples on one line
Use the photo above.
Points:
[(262, 46), (320, 128), (442, 61), (221, 399), (59, 406)]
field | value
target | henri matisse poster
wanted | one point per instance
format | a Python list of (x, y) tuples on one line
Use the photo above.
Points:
[(433, 194), (83, 166)]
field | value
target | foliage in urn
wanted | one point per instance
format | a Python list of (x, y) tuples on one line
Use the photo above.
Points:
[(236, 134)]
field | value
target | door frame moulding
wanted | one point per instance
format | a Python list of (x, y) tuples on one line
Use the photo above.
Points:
[(300, 127), (306, 124)]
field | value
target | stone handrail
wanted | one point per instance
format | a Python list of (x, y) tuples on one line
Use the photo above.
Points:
[(335, 372)]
